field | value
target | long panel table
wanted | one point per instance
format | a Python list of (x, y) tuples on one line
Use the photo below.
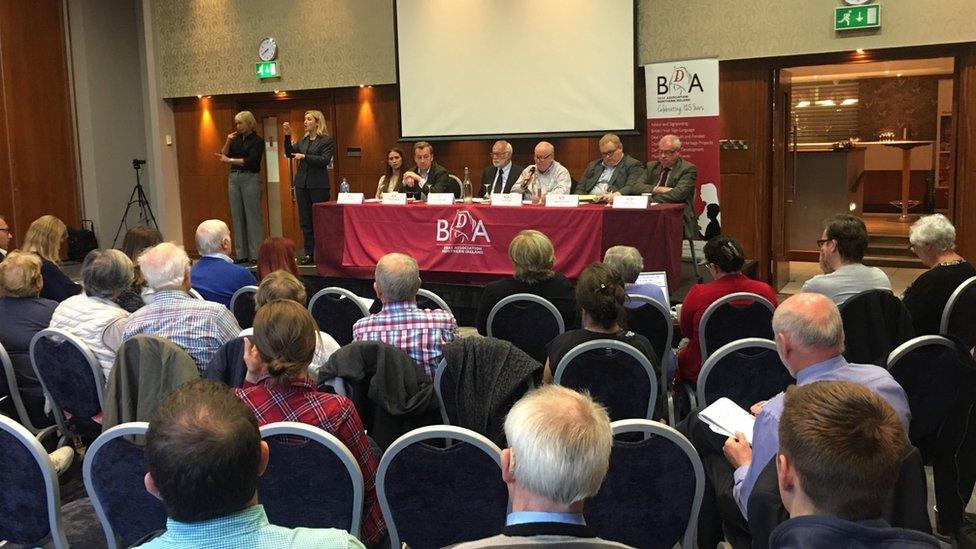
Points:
[(468, 243)]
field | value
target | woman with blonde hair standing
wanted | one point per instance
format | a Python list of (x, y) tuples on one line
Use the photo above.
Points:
[(243, 151), (44, 238), (314, 154)]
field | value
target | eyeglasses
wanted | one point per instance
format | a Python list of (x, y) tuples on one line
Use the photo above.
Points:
[(823, 241), (543, 157), (661, 152), (5, 229), (608, 154), (498, 155)]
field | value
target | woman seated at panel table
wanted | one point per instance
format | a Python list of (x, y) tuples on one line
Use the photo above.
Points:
[(933, 240), (390, 181), (725, 259), (532, 257)]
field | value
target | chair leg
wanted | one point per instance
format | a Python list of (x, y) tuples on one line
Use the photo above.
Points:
[(694, 259)]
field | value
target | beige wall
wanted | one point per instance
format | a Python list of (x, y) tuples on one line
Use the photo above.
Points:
[(742, 29), (210, 46)]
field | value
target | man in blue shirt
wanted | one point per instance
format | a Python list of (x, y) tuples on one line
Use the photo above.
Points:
[(215, 275), (204, 454)]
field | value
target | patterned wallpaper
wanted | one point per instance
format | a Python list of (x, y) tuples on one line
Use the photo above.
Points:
[(890, 104), (210, 46), (742, 29)]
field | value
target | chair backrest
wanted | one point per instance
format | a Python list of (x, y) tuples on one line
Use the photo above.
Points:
[(652, 491), (653, 321), (444, 385), (959, 314), (875, 323), (728, 319), (456, 180), (527, 321), (433, 497), (13, 390), (336, 310), (616, 374), (30, 508), (927, 369), (744, 371), (114, 473), (69, 373), (242, 305), (195, 294), (427, 299), (312, 479)]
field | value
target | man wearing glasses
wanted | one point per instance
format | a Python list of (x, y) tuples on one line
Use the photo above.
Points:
[(502, 174), (842, 246), (614, 173), (4, 237), (544, 177), (671, 180)]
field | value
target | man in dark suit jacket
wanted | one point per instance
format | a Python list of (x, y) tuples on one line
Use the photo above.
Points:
[(427, 176), (503, 173), (671, 180), (613, 173)]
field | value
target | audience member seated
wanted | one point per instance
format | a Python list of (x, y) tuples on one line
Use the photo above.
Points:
[(600, 295), (5, 236), (427, 176), (200, 327), (277, 357), (628, 263), (204, 454), (215, 275), (544, 177), (614, 173), (421, 333), (933, 240), (559, 452), (502, 174), (94, 316), (842, 247), (390, 181), (136, 240), (725, 259), (809, 338), (532, 257), (283, 285), (23, 314), (840, 451), (44, 238), (278, 254)]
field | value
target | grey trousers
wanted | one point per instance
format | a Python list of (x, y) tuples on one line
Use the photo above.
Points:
[(244, 191)]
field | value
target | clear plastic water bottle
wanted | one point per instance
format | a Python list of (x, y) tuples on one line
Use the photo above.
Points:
[(344, 186), (466, 193)]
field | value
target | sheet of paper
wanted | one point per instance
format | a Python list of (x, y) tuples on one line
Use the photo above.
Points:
[(657, 278), (726, 417)]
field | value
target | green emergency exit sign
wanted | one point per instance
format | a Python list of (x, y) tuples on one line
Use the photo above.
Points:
[(857, 17), (267, 69)]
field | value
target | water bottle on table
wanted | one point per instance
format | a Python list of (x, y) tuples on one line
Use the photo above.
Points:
[(466, 192), (344, 186)]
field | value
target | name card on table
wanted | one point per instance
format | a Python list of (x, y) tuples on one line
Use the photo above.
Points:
[(399, 199), (350, 198), (562, 200), (440, 199), (506, 199), (630, 202)]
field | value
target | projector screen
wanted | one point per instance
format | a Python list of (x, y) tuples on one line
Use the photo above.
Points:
[(486, 68)]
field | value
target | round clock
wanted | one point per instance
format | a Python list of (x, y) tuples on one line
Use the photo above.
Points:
[(268, 49)]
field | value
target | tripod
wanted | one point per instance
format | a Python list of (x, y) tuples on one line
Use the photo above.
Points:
[(139, 199)]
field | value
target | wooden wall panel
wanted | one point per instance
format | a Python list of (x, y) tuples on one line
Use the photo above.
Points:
[(964, 120), (37, 171)]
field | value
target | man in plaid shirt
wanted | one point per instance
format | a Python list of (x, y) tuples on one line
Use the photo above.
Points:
[(421, 333)]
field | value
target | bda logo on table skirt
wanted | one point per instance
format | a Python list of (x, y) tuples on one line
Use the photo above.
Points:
[(463, 229)]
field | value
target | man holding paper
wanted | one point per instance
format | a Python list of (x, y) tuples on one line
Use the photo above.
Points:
[(810, 339)]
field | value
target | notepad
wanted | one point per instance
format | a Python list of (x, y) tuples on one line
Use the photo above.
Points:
[(726, 418)]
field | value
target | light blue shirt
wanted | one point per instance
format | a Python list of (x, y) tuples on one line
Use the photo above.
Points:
[(219, 255), (526, 517), (248, 529), (652, 291), (765, 434)]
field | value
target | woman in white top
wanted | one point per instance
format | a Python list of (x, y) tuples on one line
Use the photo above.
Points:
[(390, 181)]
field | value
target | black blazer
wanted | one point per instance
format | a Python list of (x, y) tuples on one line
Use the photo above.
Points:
[(438, 181), (313, 170), (490, 173), (625, 179)]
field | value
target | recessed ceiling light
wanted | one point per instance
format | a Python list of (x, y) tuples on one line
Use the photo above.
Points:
[(859, 50)]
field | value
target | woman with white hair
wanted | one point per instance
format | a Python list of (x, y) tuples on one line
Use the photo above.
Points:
[(933, 240), (243, 151)]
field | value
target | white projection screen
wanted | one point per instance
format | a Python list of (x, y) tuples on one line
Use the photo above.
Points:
[(485, 68)]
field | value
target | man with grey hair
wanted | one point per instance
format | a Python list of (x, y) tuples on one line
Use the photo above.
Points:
[(544, 177), (614, 173), (200, 327), (502, 174), (421, 333), (671, 180), (93, 316), (810, 339), (559, 444), (215, 275), (629, 263)]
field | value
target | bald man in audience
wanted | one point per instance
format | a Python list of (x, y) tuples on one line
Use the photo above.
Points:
[(614, 173), (671, 180), (810, 339), (215, 275), (544, 177), (502, 174)]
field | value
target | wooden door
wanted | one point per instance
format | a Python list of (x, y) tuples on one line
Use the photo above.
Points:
[(783, 179)]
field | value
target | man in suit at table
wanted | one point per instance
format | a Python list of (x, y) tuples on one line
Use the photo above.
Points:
[(502, 174), (614, 173), (427, 176), (671, 180)]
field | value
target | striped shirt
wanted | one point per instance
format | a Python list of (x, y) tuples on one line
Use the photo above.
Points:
[(421, 333)]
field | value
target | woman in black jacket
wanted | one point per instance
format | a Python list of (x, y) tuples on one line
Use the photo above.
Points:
[(311, 181)]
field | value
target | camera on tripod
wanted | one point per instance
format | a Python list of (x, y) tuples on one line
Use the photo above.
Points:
[(136, 163)]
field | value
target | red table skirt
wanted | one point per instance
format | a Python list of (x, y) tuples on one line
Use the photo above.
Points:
[(469, 243)]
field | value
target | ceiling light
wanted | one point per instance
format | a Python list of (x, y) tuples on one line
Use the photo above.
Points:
[(847, 102), (825, 102), (803, 104), (859, 50)]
